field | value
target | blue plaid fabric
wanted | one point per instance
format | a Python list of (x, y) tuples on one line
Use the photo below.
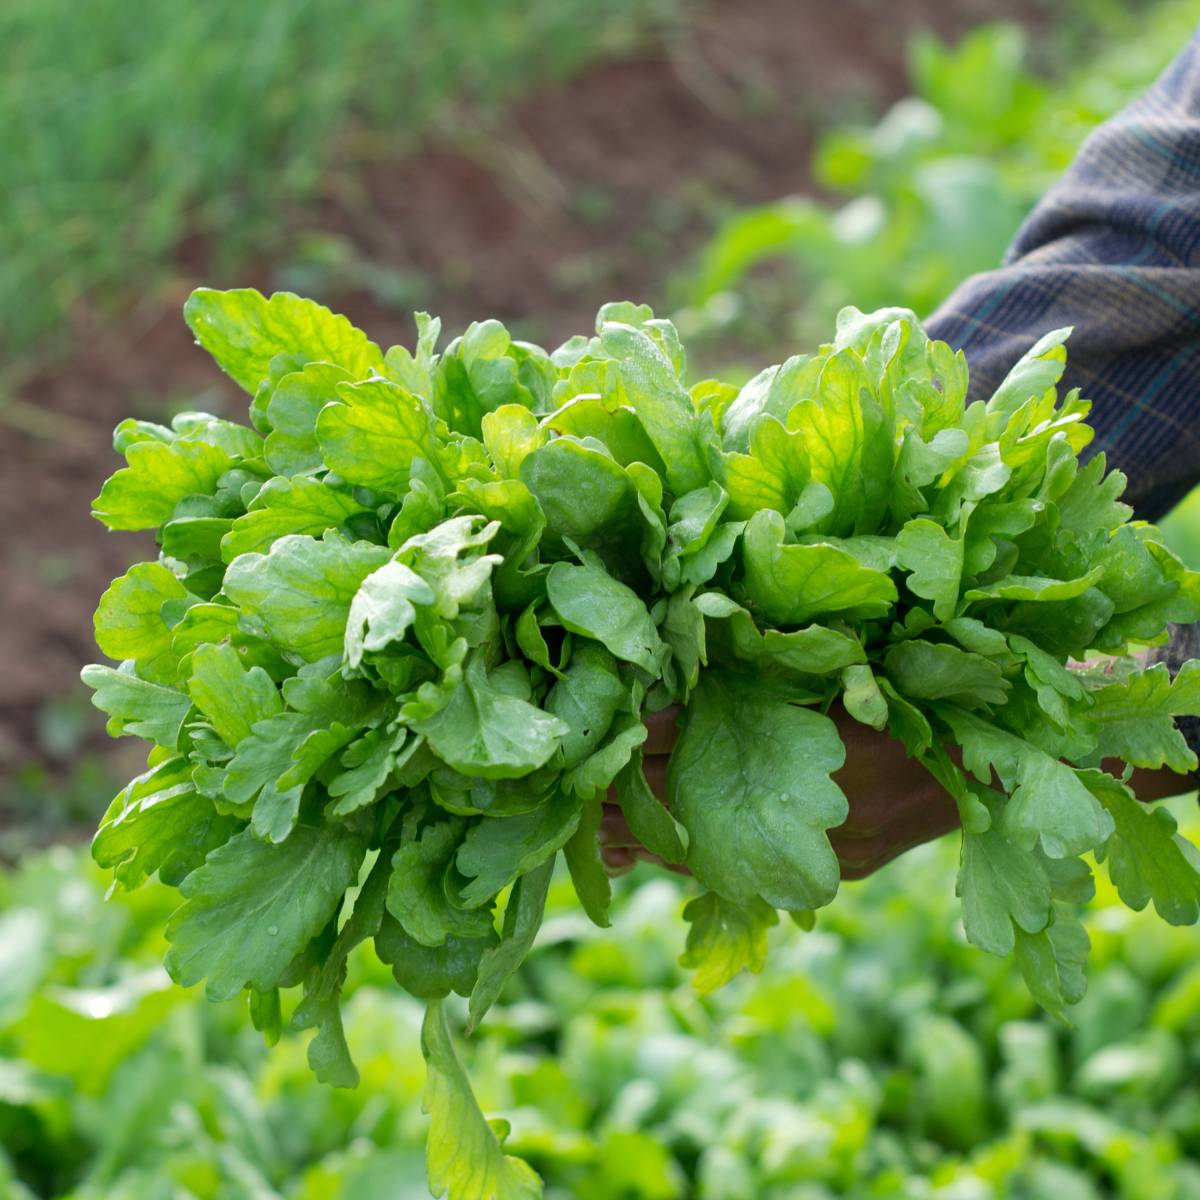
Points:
[(1114, 250)]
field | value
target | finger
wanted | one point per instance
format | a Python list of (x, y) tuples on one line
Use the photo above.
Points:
[(644, 855), (925, 806), (617, 861), (915, 828), (661, 731), (852, 870), (614, 830), (860, 857), (655, 770), (1151, 785)]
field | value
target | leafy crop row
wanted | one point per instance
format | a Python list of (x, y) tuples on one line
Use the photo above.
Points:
[(878, 1057), (409, 624)]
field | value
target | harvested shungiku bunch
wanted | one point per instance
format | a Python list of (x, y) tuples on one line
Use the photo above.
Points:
[(407, 623)]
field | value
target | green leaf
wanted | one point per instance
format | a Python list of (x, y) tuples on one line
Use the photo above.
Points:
[(647, 817), (662, 405), (1001, 886), (266, 1014), (136, 707), (130, 623), (416, 895), (160, 475), (218, 622), (415, 371), (597, 410), (1049, 804), (464, 1157), (431, 972), (725, 939), (851, 444), (1057, 687), (486, 732), (260, 762), (694, 517), (1048, 801), (369, 762), (481, 372), (328, 1054), (1054, 963), (814, 650), (252, 907), (586, 699), (582, 854), (300, 592), (292, 447), (532, 641), (700, 567), (244, 331), (774, 474), (1039, 368), (598, 771), (374, 432), (935, 562), (522, 920), (510, 435), (1176, 600), (232, 698), (979, 638), (791, 585), (498, 849), (284, 506), (937, 671), (158, 822), (684, 631), (195, 541), (448, 557), (1035, 588), (383, 610), (862, 698), (750, 781), (1147, 858), (592, 603), (586, 495), (1135, 717), (906, 722)]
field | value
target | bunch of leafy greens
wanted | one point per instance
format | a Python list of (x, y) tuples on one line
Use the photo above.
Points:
[(403, 632)]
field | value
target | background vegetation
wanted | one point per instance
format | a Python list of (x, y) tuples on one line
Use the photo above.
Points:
[(877, 1056), (145, 129), (930, 193)]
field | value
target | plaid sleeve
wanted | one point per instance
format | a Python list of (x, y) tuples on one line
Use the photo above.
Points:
[(1114, 250)]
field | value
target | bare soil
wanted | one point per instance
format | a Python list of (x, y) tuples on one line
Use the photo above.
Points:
[(603, 187)]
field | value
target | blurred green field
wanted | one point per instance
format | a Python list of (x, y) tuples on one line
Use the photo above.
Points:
[(878, 1056), (125, 129), (932, 192)]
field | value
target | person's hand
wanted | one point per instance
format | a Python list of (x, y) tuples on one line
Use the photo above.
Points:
[(895, 803), (619, 849)]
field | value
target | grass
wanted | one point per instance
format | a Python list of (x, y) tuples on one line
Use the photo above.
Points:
[(125, 128)]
